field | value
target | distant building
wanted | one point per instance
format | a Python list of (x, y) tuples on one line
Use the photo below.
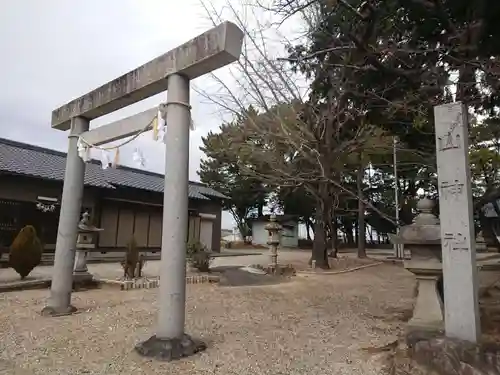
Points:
[(123, 201), (289, 234)]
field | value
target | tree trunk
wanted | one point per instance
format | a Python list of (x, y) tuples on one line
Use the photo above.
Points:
[(496, 207), (243, 231), (356, 231), (361, 215), (334, 235), (349, 232), (327, 216), (335, 230), (260, 210), (319, 251)]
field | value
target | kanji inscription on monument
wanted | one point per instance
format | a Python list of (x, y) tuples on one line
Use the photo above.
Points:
[(455, 241), (457, 227), (451, 189), (452, 138)]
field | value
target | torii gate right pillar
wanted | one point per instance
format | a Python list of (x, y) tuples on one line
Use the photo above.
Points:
[(170, 341), (175, 216)]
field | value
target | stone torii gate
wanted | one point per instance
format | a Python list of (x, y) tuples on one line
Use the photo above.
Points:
[(171, 71)]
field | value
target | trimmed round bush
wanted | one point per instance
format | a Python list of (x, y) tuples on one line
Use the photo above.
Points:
[(26, 251)]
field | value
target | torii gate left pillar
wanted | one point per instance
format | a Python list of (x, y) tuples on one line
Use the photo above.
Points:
[(172, 72)]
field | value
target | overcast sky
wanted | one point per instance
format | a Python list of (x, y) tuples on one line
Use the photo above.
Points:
[(56, 50)]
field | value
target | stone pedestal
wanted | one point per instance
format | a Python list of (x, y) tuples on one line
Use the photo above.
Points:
[(481, 243), (428, 309), (170, 349), (273, 255), (81, 272)]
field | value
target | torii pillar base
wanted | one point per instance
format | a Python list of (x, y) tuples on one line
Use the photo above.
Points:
[(50, 311), (170, 349)]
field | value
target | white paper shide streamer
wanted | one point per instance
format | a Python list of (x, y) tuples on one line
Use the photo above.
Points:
[(191, 122), (161, 124), (158, 124), (139, 158), (105, 159), (83, 150)]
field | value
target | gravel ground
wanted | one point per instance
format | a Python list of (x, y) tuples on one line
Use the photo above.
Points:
[(342, 263), (312, 325)]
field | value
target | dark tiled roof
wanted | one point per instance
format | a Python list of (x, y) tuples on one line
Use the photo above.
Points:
[(28, 160)]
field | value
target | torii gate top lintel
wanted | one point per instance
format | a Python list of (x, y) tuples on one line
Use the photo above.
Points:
[(207, 52)]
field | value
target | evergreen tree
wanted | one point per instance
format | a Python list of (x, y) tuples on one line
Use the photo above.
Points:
[(220, 169)]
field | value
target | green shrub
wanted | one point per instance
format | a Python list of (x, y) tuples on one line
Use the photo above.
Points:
[(201, 261), (25, 251), (194, 247), (198, 256)]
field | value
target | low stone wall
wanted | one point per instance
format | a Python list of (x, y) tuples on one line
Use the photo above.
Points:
[(155, 283), (94, 256), (96, 282), (25, 285)]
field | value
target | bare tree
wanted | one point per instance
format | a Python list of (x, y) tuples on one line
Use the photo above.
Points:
[(289, 137)]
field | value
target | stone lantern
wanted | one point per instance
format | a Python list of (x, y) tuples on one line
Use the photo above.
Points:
[(274, 231), (84, 242), (423, 240)]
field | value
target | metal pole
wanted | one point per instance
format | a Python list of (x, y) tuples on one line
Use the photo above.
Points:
[(397, 247), (67, 232)]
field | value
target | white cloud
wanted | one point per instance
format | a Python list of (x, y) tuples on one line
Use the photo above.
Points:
[(56, 50)]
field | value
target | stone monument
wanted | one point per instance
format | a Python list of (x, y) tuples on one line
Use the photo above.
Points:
[(274, 230), (423, 240), (457, 226), (173, 72)]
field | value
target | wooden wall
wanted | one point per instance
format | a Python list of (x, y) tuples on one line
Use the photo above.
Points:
[(121, 220)]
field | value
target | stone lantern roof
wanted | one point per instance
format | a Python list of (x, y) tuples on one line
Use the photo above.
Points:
[(84, 226)]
